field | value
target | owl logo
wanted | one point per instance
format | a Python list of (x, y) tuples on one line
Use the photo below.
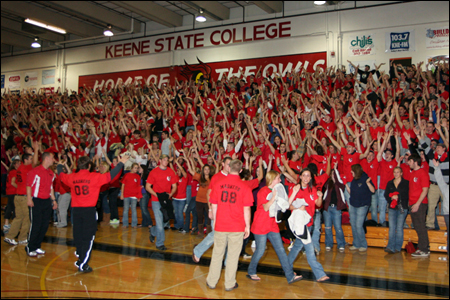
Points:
[(350, 159), (312, 198), (390, 167), (135, 180), (371, 166), (416, 179), (169, 177)]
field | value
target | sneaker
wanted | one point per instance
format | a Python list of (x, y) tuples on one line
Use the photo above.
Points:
[(291, 245), (254, 244), (86, 269), (114, 221), (10, 241), (182, 231), (317, 252), (246, 255), (210, 287), (233, 288), (32, 254), (204, 230), (353, 248), (173, 228), (55, 223), (342, 250), (162, 248), (6, 228), (24, 242), (419, 253), (362, 249), (77, 264), (152, 238), (327, 248), (76, 254), (387, 250), (40, 251)]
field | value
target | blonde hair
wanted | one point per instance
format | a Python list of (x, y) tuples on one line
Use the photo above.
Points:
[(270, 177), (106, 165)]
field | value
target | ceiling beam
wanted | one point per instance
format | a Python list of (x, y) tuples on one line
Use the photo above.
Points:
[(153, 12), (88, 10), (71, 25), (211, 9), (16, 26), (270, 7), (14, 39)]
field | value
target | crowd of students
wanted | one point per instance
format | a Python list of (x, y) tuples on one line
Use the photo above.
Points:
[(358, 142)]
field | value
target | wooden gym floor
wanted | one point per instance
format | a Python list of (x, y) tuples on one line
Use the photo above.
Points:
[(127, 265)]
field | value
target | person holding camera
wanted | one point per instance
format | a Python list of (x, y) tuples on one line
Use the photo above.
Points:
[(397, 195)]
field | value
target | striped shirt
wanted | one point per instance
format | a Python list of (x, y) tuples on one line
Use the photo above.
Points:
[(444, 163), (40, 180)]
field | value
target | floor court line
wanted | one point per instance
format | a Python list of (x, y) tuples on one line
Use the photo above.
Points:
[(18, 273), (57, 278), (171, 287)]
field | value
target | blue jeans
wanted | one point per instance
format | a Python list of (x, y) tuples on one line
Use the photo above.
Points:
[(347, 194), (373, 208), (275, 240), (381, 205), (127, 202), (105, 204), (191, 209), (333, 217), (317, 229), (55, 211), (396, 221), (207, 242), (357, 217), (158, 230), (316, 267), (146, 219), (178, 206)]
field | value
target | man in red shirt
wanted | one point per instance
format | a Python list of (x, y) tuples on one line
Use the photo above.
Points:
[(41, 200), (162, 185), (231, 202), (419, 184), (21, 222), (85, 187)]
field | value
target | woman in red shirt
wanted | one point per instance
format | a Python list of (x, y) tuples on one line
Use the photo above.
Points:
[(306, 190), (131, 194), (11, 188), (265, 227), (179, 199)]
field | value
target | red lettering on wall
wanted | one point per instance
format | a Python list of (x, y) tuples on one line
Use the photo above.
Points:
[(244, 30), (188, 38), (215, 43), (179, 43), (108, 51), (228, 38), (118, 50), (234, 37), (283, 26), (256, 31), (198, 38), (144, 46), (159, 43), (169, 40), (136, 48), (127, 49), (274, 32)]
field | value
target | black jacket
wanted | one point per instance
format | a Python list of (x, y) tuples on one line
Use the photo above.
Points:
[(402, 189)]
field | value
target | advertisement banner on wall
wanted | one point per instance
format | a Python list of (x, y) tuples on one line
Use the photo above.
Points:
[(400, 41), (48, 76), (49, 90), (14, 81), (208, 71), (437, 38), (31, 79), (3, 81), (361, 44)]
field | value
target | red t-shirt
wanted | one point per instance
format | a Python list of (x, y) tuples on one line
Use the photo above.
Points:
[(418, 180), (21, 178), (11, 190), (310, 198), (85, 186), (217, 177), (181, 189), (231, 196), (132, 185), (371, 170), (161, 181), (349, 161), (295, 165), (262, 222), (40, 180), (386, 172), (138, 143)]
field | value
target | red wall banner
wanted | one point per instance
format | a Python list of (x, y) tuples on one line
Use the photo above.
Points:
[(210, 71)]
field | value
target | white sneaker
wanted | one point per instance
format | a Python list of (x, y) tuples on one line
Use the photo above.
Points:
[(24, 242), (40, 251), (10, 241), (254, 244), (419, 253), (341, 250), (76, 254), (327, 248), (290, 246), (32, 254)]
